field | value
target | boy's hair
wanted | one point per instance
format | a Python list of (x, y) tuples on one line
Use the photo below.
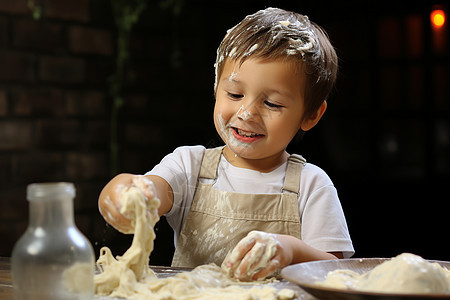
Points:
[(275, 33)]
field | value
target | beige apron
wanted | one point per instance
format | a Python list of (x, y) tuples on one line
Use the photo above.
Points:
[(218, 220)]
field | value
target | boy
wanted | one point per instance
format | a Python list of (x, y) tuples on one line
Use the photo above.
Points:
[(274, 72)]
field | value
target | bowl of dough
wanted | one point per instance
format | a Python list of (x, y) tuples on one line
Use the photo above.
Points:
[(406, 276)]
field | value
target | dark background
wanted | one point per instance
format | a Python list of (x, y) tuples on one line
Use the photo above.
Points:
[(384, 140)]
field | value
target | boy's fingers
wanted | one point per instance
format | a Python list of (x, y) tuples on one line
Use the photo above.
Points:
[(252, 253), (145, 185), (273, 266), (110, 210), (250, 260), (241, 249), (112, 215)]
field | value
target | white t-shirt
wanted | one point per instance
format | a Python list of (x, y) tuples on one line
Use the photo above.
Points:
[(323, 224)]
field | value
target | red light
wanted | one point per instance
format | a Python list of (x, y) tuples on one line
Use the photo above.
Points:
[(437, 18)]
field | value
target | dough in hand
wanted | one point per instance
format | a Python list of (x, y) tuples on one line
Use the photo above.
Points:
[(129, 276)]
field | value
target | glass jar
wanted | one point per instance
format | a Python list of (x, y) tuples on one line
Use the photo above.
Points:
[(52, 259)]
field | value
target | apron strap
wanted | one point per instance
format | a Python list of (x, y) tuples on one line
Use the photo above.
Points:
[(211, 159), (293, 173), (210, 163)]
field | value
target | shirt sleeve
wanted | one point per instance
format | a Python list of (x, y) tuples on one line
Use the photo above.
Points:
[(323, 222), (180, 169)]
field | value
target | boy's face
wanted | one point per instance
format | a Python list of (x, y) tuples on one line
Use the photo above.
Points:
[(259, 106)]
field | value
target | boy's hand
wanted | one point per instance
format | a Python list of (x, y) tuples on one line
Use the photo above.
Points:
[(257, 256), (110, 204)]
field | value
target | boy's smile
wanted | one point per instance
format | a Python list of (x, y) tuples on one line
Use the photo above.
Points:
[(259, 109), (246, 136)]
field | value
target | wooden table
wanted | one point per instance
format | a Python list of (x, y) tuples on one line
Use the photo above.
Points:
[(6, 290)]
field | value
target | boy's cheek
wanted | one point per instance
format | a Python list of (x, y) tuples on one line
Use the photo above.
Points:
[(220, 124)]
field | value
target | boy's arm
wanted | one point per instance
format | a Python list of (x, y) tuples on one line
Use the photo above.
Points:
[(110, 197), (302, 252)]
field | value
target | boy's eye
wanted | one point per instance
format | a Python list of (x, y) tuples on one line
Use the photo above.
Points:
[(272, 105), (235, 96)]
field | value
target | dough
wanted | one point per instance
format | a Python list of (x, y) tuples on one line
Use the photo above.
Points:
[(119, 276), (78, 278), (129, 276), (406, 273)]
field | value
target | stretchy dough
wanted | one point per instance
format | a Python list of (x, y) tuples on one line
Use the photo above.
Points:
[(129, 276)]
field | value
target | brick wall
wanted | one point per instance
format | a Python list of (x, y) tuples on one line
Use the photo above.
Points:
[(53, 116), (54, 107)]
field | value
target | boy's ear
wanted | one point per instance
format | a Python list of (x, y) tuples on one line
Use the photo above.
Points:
[(312, 120)]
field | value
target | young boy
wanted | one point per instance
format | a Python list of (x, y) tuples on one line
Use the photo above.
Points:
[(250, 199)]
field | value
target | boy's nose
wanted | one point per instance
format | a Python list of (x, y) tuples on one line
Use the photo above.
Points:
[(249, 110), (243, 113)]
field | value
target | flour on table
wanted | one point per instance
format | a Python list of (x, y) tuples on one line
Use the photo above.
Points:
[(129, 276)]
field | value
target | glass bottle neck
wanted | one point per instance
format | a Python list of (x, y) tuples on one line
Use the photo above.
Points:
[(51, 212)]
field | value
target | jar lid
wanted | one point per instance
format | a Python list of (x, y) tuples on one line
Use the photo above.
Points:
[(50, 190)]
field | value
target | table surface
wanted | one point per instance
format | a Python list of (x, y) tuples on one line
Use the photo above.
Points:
[(6, 290)]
